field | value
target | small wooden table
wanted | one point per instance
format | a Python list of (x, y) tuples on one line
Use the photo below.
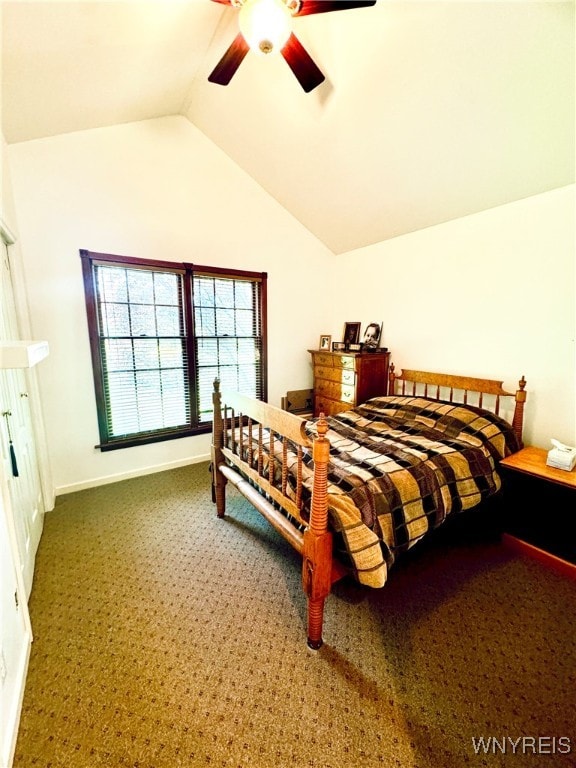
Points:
[(532, 461), (540, 510)]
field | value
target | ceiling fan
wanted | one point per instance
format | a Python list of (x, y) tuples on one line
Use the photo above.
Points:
[(265, 27)]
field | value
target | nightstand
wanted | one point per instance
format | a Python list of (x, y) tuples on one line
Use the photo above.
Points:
[(539, 502), (532, 461)]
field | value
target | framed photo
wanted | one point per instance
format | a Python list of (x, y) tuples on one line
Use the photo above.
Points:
[(355, 347), (338, 346), (372, 334), (351, 333), (325, 342)]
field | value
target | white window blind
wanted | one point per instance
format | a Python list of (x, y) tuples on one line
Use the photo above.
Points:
[(143, 349), (228, 338)]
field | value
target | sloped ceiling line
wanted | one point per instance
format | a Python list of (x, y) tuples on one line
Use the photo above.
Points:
[(430, 110)]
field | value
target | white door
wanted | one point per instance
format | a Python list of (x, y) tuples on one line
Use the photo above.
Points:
[(17, 445), (15, 638)]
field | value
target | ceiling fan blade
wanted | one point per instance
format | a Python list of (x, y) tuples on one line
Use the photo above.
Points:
[(301, 63), (229, 63), (325, 6)]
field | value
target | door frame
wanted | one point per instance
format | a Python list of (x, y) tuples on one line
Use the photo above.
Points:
[(21, 303)]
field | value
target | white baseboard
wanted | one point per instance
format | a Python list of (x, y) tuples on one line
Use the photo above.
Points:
[(95, 482), (11, 712)]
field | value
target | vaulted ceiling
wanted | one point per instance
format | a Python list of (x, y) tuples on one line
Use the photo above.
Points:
[(429, 111)]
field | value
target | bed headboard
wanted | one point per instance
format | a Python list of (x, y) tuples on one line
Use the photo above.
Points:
[(456, 389)]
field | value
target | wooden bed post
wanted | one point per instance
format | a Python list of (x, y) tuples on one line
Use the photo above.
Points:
[(218, 479), (518, 419), (317, 547), (391, 380)]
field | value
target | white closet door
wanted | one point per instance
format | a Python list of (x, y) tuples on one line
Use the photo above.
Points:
[(17, 444), (15, 639)]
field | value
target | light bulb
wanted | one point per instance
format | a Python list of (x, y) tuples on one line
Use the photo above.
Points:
[(265, 25)]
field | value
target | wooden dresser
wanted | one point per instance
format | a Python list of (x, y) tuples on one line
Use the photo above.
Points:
[(345, 379)]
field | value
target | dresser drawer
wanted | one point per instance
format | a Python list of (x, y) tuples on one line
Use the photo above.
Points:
[(334, 361), (326, 360), (335, 390), (329, 407), (346, 361), (341, 375)]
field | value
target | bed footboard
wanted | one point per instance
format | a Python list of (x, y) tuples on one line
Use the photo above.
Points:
[(232, 412)]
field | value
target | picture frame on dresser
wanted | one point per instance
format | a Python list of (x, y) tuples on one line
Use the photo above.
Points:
[(372, 336), (351, 333), (325, 342)]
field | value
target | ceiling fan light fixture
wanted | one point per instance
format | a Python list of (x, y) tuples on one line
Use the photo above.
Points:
[(265, 24), (266, 27)]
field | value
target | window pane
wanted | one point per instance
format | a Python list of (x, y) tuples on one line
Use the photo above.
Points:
[(244, 294), (232, 354), (122, 402), (206, 378), (145, 353), (118, 354), (207, 352), (174, 399), (167, 288), (224, 291), (171, 353), (205, 321), (247, 351), (140, 286), (149, 399), (168, 321), (112, 283), (203, 292), (143, 320), (145, 376), (115, 320), (225, 325), (244, 322), (228, 351), (247, 380)]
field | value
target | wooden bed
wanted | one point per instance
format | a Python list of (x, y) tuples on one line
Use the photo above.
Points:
[(280, 463)]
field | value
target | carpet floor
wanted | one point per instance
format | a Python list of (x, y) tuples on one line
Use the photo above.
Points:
[(167, 638)]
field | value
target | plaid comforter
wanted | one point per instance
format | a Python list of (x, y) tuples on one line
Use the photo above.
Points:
[(398, 467)]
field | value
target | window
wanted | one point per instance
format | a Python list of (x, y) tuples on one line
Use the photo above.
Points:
[(160, 333)]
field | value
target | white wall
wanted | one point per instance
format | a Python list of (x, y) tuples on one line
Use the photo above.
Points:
[(155, 189), (493, 294)]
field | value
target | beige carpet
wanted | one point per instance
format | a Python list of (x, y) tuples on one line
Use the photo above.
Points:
[(166, 638)]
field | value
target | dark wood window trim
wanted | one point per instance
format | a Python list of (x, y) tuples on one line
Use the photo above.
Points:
[(190, 368)]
